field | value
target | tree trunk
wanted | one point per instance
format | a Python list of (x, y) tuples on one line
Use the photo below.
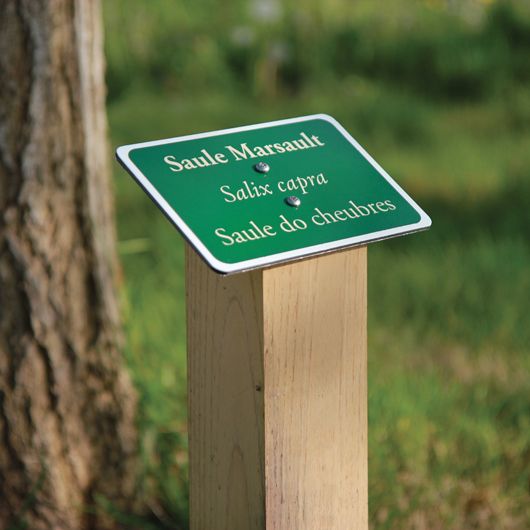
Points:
[(66, 406)]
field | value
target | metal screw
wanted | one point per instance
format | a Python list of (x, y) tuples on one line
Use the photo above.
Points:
[(293, 201), (262, 167)]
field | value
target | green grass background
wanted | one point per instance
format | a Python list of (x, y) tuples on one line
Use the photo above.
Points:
[(439, 94)]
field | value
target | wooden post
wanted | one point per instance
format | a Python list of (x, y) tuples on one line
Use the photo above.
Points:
[(277, 395)]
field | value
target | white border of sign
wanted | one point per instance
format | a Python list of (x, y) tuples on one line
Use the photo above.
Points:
[(122, 154)]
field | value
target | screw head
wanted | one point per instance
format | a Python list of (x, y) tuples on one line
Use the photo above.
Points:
[(261, 167), (293, 201)]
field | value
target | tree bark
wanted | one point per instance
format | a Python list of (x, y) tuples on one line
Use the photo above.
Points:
[(66, 406)]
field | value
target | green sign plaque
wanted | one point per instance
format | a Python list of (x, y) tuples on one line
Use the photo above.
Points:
[(254, 196)]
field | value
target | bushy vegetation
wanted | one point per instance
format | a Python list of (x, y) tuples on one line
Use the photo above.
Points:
[(266, 47), (442, 58), (439, 95)]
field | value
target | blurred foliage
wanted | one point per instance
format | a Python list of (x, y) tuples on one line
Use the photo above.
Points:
[(442, 57), (270, 47), (438, 92)]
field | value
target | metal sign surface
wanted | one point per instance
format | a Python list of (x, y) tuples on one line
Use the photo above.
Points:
[(263, 194)]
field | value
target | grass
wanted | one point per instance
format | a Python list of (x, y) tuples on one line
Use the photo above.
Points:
[(448, 434), (154, 315), (449, 322)]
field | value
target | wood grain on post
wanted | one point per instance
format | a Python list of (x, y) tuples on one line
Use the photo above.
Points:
[(277, 395)]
